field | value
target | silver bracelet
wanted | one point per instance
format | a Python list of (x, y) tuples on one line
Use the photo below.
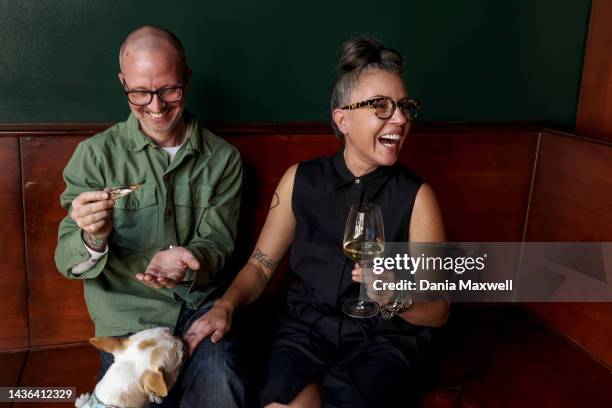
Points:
[(399, 304)]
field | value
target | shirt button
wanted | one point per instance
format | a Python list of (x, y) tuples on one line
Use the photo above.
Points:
[(357, 181), (168, 212)]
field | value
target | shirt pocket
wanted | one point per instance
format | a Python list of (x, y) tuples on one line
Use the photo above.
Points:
[(135, 218), (190, 204)]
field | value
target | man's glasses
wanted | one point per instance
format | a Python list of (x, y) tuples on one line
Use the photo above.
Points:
[(143, 98), (384, 107)]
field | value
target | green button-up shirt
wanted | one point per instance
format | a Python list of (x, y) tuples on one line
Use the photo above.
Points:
[(192, 201)]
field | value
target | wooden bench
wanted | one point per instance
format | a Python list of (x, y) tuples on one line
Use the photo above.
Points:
[(512, 182)]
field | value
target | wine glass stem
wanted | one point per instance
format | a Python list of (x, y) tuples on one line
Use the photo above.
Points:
[(363, 296)]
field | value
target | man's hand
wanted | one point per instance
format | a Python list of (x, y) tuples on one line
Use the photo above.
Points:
[(217, 322), (167, 268), (365, 275), (92, 211)]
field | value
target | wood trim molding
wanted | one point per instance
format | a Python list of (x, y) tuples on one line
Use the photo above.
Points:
[(268, 128)]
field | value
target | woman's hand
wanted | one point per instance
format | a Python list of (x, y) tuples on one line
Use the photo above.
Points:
[(217, 321), (367, 276)]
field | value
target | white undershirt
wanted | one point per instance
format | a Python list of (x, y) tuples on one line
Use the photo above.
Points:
[(172, 151)]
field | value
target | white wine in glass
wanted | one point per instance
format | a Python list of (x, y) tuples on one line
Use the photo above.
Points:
[(364, 240)]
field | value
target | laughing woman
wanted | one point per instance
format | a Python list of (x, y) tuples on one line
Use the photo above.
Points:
[(367, 362)]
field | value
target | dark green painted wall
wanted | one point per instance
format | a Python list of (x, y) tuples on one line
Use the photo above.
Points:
[(468, 60)]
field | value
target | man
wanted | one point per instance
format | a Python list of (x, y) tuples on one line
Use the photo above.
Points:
[(155, 257)]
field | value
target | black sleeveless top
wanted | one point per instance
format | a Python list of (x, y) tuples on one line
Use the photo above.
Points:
[(323, 192)]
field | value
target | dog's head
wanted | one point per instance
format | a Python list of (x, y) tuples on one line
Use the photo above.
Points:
[(154, 355)]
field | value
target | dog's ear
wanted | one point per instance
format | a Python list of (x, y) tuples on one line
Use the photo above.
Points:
[(109, 344), (153, 383)]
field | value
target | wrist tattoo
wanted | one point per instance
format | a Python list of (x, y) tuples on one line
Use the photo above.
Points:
[(264, 260), (275, 201), (95, 243)]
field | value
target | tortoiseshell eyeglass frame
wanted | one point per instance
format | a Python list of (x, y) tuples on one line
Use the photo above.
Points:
[(413, 106)]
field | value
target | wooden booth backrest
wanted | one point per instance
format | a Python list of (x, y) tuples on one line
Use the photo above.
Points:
[(571, 201), (13, 288), (483, 176)]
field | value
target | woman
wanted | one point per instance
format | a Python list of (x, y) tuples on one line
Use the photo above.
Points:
[(358, 362)]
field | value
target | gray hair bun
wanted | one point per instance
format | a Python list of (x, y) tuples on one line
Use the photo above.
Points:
[(361, 53)]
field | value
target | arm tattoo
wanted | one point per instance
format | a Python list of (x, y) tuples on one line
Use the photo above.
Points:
[(275, 201), (97, 244), (264, 260)]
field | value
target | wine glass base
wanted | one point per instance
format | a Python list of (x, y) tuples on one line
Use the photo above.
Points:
[(360, 309)]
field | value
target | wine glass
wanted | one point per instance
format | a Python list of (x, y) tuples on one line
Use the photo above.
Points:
[(364, 240)]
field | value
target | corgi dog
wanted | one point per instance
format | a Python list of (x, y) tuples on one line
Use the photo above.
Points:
[(146, 366)]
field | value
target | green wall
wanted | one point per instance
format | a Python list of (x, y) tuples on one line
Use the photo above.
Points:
[(468, 60)]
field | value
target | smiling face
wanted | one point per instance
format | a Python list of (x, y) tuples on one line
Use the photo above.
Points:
[(370, 141), (154, 69)]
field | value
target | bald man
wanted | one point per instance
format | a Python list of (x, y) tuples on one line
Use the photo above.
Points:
[(156, 256)]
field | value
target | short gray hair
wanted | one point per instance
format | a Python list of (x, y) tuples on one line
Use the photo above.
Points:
[(153, 37)]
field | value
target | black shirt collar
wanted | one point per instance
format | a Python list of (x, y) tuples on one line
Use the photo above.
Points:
[(372, 182)]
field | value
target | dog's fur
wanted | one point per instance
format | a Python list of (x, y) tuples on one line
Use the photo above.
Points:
[(146, 366)]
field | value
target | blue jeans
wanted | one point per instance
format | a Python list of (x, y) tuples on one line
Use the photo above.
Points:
[(213, 376)]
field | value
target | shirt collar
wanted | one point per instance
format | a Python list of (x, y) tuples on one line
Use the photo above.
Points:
[(372, 182), (196, 141)]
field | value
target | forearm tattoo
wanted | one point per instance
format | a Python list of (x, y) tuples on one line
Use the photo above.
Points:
[(264, 260), (275, 201), (97, 244)]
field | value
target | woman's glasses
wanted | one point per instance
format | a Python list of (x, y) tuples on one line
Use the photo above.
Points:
[(384, 107)]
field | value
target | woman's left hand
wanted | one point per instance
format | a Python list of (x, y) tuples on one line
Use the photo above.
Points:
[(367, 276)]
